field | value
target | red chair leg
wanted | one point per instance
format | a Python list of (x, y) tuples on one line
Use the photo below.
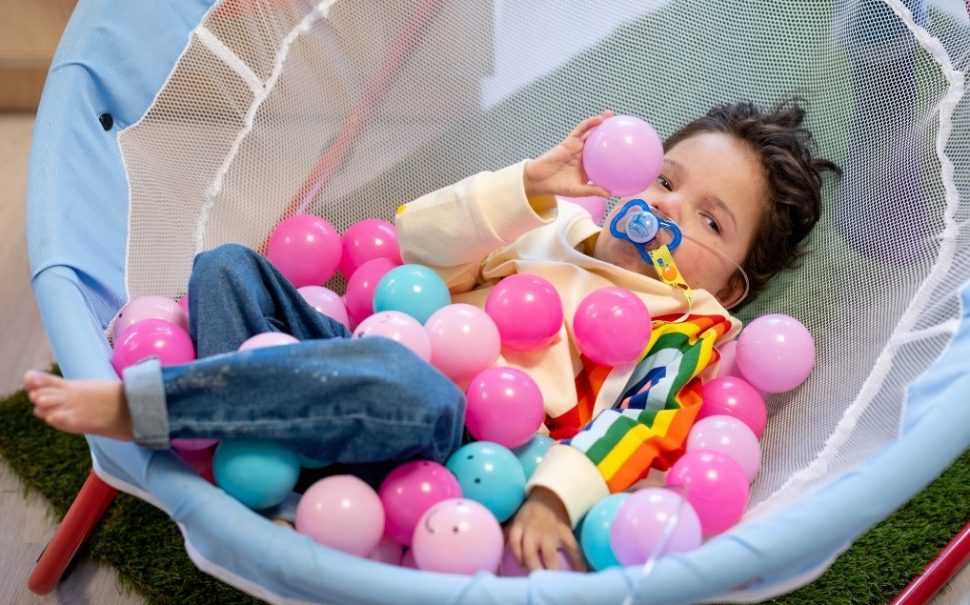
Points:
[(87, 509)]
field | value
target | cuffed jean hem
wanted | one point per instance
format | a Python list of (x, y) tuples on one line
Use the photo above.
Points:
[(145, 395)]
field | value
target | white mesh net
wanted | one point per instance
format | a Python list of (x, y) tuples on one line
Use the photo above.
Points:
[(349, 108)]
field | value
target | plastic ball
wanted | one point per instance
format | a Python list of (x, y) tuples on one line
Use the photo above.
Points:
[(183, 302), (490, 475), (200, 461), (715, 485), (623, 154), (727, 365), (306, 249), (532, 453), (730, 436), (152, 338), (595, 205), (400, 328), (267, 339), (504, 405), (387, 551), (458, 536), (326, 302), (359, 296), (776, 353), (594, 534), (412, 289), (149, 307), (342, 512), (733, 396), (527, 310), (260, 474), (464, 341), (642, 527), (192, 445), (612, 326), (410, 490), (509, 566), (366, 240)]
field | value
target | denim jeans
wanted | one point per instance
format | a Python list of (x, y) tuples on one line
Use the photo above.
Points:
[(330, 397)]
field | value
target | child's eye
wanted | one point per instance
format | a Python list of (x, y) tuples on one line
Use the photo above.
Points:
[(716, 228), (662, 180)]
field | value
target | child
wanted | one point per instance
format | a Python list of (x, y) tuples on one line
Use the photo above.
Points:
[(740, 183)]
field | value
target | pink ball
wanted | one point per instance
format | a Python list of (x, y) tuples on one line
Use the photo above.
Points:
[(642, 526), (359, 296), (464, 341), (267, 339), (715, 485), (776, 353), (527, 311), (366, 240), (183, 302), (306, 249), (399, 327), (387, 551), (612, 326), (457, 536), (623, 154), (409, 491), (408, 560), (509, 566), (200, 461), (192, 445), (152, 338), (342, 512), (593, 204), (327, 302), (733, 396), (730, 436), (727, 364), (504, 406), (149, 307)]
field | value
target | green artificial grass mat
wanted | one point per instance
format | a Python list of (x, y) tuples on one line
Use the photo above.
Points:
[(146, 547)]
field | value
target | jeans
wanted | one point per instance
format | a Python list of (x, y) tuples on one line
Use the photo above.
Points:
[(330, 397)]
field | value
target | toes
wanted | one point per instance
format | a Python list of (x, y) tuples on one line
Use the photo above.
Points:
[(47, 396), (34, 379)]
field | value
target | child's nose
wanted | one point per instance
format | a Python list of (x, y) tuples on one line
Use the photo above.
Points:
[(666, 207)]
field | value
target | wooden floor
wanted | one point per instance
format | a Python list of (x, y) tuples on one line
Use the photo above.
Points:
[(24, 523)]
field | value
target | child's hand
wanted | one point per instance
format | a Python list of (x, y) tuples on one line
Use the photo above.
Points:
[(559, 171), (540, 528)]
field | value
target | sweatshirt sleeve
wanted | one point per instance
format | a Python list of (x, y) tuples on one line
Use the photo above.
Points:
[(647, 427), (454, 229)]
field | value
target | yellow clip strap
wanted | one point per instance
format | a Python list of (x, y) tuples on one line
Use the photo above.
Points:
[(668, 273)]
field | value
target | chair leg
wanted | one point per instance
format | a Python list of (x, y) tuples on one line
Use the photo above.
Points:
[(87, 509)]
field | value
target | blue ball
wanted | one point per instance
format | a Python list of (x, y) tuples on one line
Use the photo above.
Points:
[(260, 474), (490, 475), (532, 453), (412, 289), (594, 533)]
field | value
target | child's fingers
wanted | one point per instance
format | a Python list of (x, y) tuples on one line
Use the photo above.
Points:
[(515, 541), (589, 123), (550, 553), (591, 189), (530, 551), (572, 549)]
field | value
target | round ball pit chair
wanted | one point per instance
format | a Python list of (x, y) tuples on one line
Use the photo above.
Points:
[(892, 86)]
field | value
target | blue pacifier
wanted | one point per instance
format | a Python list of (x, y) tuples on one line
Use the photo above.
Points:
[(643, 227)]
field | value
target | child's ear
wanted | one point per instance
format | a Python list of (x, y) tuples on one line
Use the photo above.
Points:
[(731, 295)]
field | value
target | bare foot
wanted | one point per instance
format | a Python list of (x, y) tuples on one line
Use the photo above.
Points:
[(92, 407)]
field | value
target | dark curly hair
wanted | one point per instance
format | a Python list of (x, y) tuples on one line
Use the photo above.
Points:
[(793, 175)]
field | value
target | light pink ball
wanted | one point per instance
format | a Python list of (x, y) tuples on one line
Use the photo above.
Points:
[(342, 512), (464, 341), (727, 365), (267, 339), (149, 307), (612, 326), (387, 551), (623, 154), (399, 327), (327, 302), (715, 485), (642, 526), (593, 204), (306, 249), (733, 396), (409, 491), (458, 536), (730, 436), (527, 310), (504, 406), (152, 338), (359, 296), (776, 353), (366, 240)]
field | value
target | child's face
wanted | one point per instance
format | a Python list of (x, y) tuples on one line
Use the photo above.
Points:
[(713, 186)]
